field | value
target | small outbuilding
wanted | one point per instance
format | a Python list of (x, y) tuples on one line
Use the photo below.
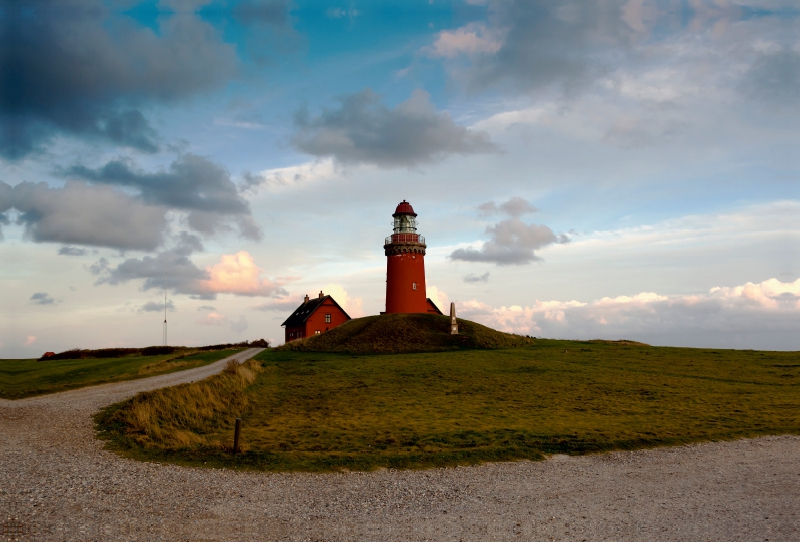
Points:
[(313, 317), (432, 308)]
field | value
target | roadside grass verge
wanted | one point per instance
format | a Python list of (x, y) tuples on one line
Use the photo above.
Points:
[(25, 378), (313, 411)]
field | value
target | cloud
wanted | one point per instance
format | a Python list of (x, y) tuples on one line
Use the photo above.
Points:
[(205, 308), (72, 251), (439, 298), (30, 339), (352, 305), (6, 203), (470, 40), (362, 131), (79, 68), (215, 319), (512, 242), (342, 13), (767, 310), (153, 306), (515, 207), (473, 278), (239, 275), (191, 183), (531, 44), (42, 298), (286, 177), (82, 214), (235, 274), (774, 78)]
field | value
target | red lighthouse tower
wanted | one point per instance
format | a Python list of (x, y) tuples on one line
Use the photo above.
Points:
[(405, 264)]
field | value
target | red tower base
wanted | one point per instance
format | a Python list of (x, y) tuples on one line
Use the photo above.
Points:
[(405, 281)]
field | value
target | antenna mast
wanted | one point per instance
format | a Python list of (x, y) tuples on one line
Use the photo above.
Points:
[(165, 303)]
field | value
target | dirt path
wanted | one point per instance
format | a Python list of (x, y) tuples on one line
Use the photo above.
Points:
[(57, 483)]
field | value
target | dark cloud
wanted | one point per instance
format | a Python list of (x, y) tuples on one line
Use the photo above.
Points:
[(363, 131), (545, 43), (206, 308), (153, 306), (192, 183), (171, 268), (6, 203), (473, 278), (512, 242), (72, 251), (82, 214), (42, 298), (174, 269), (515, 207), (76, 67)]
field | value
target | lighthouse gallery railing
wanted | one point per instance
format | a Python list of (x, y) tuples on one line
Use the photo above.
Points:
[(405, 238)]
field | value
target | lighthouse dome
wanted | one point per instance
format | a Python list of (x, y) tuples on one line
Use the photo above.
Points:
[(404, 208)]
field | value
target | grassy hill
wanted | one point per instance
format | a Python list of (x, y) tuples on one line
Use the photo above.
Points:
[(401, 333), (21, 378), (318, 411)]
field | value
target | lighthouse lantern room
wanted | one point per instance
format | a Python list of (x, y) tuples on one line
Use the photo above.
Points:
[(405, 264)]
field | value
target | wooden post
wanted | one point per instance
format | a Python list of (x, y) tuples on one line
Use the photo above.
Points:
[(236, 432)]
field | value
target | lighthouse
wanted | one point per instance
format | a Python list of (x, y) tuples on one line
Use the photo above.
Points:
[(405, 264)]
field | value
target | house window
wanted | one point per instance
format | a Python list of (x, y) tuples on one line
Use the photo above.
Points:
[(317, 332), (327, 318), (413, 285)]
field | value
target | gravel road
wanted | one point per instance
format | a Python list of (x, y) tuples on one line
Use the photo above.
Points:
[(57, 483)]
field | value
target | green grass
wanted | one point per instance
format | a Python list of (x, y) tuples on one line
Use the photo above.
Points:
[(401, 333), (312, 411), (26, 377)]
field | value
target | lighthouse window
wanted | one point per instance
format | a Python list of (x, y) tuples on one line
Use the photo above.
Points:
[(327, 318), (413, 285)]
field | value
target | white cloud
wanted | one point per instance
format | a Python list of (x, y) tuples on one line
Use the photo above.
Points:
[(723, 316), (30, 340), (471, 39), (439, 298), (300, 175), (237, 274), (352, 305)]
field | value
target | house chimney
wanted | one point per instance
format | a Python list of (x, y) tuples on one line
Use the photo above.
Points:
[(321, 295), (305, 300)]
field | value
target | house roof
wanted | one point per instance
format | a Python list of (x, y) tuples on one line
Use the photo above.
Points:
[(432, 304), (305, 310)]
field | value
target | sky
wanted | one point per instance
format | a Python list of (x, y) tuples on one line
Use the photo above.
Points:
[(615, 169)]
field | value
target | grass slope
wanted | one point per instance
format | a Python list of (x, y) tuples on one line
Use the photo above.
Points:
[(27, 377), (399, 333), (312, 411)]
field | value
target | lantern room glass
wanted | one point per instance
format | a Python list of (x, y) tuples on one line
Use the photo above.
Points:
[(405, 224)]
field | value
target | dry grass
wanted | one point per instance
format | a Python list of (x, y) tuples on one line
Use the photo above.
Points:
[(320, 412), (196, 414)]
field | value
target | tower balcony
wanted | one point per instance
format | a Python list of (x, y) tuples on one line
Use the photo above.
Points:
[(411, 238)]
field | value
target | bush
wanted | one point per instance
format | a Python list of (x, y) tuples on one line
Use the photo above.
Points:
[(158, 350)]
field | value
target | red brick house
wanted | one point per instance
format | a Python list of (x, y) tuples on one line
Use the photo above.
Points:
[(313, 317)]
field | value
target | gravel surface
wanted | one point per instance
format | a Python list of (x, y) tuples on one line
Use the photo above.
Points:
[(57, 483)]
